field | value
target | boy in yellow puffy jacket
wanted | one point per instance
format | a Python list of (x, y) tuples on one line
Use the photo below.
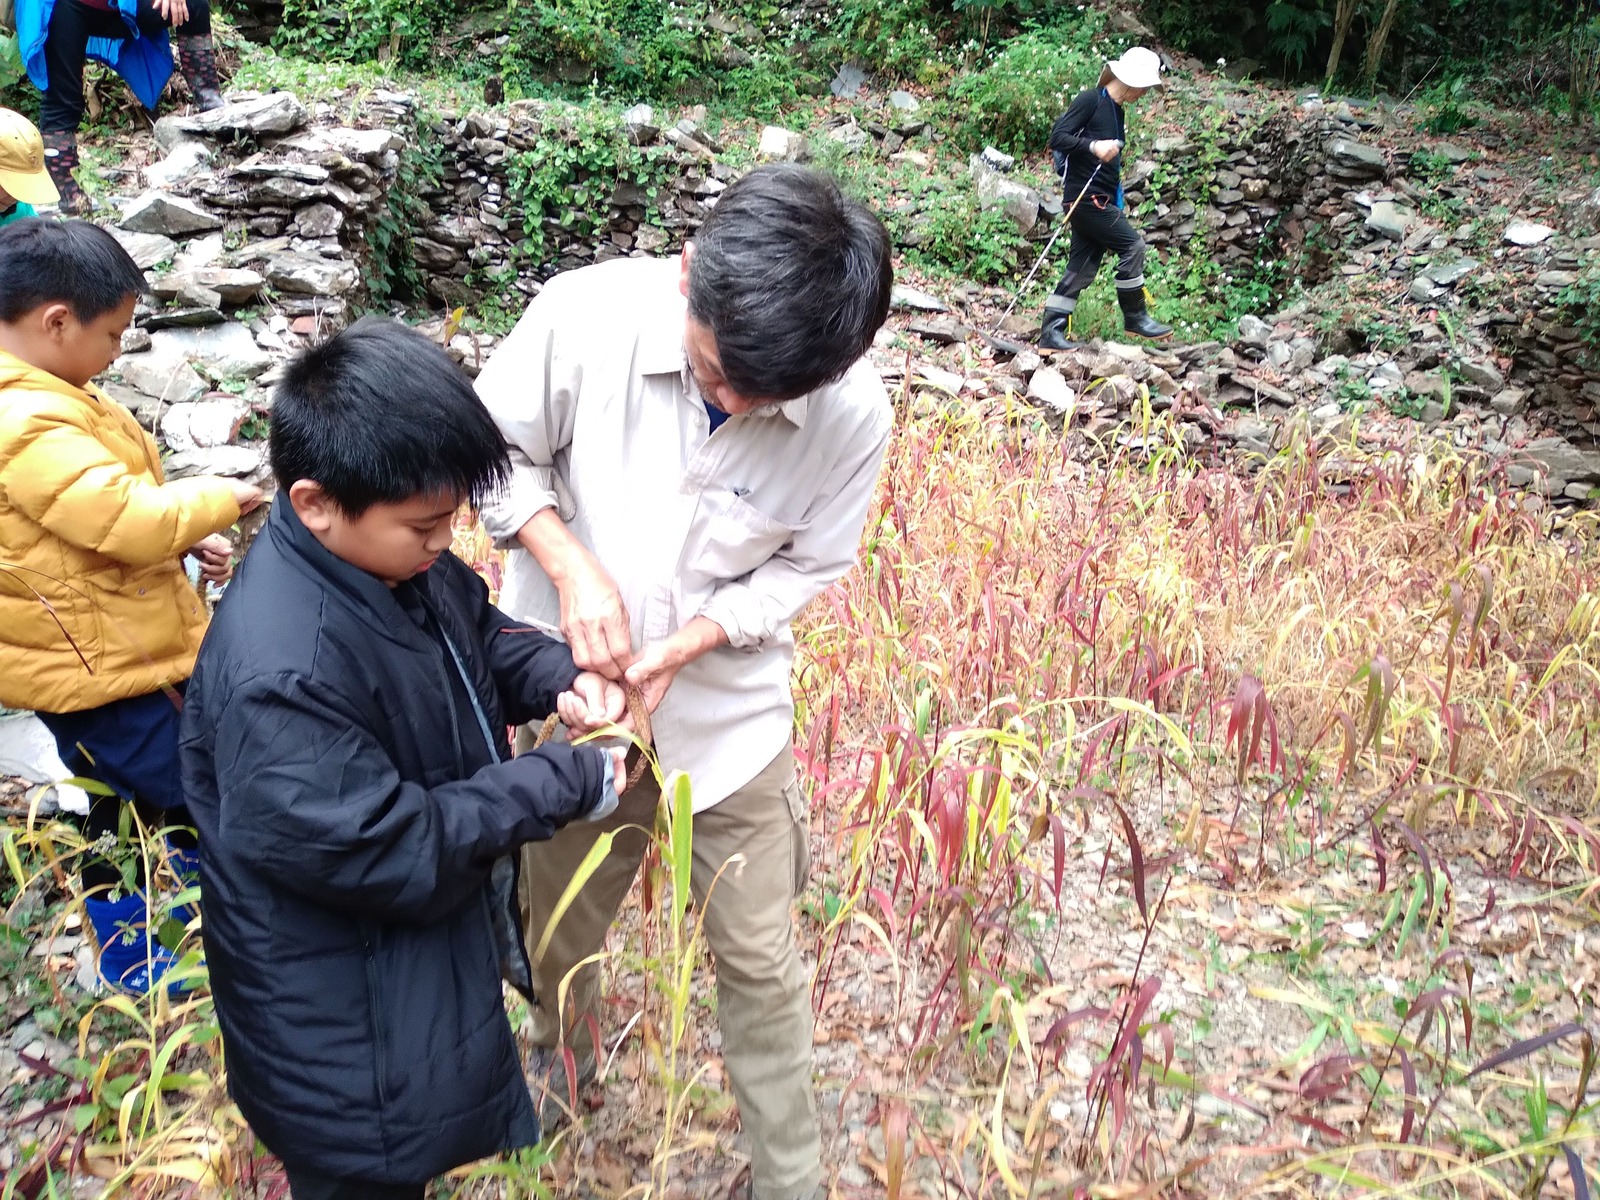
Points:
[(99, 625)]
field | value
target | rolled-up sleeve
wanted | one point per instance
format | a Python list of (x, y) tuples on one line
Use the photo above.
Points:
[(530, 387), (754, 609)]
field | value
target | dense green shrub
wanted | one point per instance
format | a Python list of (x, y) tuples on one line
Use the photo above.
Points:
[(1012, 101)]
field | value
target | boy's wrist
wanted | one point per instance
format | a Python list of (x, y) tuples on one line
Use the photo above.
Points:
[(609, 797)]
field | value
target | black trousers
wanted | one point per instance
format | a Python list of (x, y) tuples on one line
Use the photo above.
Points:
[(1096, 232), (310, 1185), (72, 24)]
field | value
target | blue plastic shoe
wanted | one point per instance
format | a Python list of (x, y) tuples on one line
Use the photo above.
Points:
[(130, 959)]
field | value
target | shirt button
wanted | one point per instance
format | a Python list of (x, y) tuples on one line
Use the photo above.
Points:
[(141, 591)]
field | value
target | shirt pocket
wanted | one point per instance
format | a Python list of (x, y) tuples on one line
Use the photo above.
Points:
[(731, 537)]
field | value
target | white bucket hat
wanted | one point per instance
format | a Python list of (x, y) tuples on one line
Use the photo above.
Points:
[(1137, 68)]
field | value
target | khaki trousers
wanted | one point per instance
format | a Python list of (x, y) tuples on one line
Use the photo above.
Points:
[(763, 999)]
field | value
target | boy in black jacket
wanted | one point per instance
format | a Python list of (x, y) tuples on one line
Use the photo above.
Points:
[(1087, 142), (345, 759)]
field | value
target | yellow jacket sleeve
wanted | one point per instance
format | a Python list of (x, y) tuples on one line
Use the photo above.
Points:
[(60, 475)]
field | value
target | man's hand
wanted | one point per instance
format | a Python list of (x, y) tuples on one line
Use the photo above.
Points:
[(595, 621), (658, 663), (593, 618), (173, 12), (593, 702), (1105, 150), (215, 556), (246, 495), (654, 670)]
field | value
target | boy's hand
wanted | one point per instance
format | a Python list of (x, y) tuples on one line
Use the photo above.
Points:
[(593, 703), (245, 495), (619, 767), (215, 556)]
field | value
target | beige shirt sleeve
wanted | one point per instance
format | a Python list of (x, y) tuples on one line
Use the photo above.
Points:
[(753, 610), (531, 390)]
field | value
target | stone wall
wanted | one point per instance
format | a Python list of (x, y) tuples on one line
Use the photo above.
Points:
[(477, 231)]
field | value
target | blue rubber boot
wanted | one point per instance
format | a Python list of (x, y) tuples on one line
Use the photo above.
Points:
[(185, 865), (130, 958)]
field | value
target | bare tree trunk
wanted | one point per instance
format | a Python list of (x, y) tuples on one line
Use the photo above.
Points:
[(1343, 15), (1375, 44)]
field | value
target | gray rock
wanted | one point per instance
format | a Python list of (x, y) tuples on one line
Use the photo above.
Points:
[(206, 251), (1423, 290), (1278, 355), (1528, 233), (1508, 402), (276, 112), (850, 135), (852, 77), (239, 462), (943, 331), (209, 285), (1303, 352), (368, 145), (1049, 389), (226, 351), (781, 145), (905, 296), (1355, 159), (1483, 374), (135, 340), (162, 374), (1448, 274), (1253, 331), (182, 161), (1556, 279), (146, 249), (318, 220), (308, 275), (1452, 153), (1564, 461), (199, 308), (161, 213), (904, 101), (640, 123), (1386, 378), (946, 381), (1426, 384), (1388, 219), (998, 159), (203, 425), (1019, 201)]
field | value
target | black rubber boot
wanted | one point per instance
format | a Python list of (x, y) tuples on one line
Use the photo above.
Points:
[(1136, 318), (61, 161), (197, 59), (1057, 331)]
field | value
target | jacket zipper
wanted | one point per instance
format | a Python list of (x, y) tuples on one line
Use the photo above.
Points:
[(375, 1012), (484, 730)]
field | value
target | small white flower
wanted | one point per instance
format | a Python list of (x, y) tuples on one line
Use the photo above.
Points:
[(1222, 62)]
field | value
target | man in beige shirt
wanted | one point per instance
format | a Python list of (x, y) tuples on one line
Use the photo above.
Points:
[(694, 449)]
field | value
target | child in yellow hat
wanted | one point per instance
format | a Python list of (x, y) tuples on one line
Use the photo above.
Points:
[(24, 181)]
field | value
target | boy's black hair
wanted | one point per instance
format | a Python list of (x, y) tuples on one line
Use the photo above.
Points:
[(63, 262), (793, 279), (379, 414)]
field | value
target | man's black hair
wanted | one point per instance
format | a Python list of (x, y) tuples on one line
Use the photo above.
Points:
[(63, 262), (379, 414), (792, 278)]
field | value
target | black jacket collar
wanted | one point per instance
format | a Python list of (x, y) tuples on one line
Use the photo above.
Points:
[(370, 599)]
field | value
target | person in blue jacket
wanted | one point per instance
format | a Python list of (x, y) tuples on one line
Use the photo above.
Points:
[(130, 36)]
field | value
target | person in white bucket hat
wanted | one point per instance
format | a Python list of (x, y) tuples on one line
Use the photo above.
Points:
[(1087, 142)]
